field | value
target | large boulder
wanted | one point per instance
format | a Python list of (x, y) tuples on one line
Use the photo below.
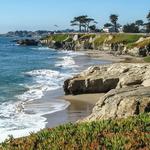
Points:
[(100, 79), (121, 103), (90, 85)]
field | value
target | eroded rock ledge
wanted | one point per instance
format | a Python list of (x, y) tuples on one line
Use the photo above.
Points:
[(98, 79), (122, 103), (127, 88)]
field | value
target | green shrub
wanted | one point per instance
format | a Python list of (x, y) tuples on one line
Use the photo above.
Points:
[(147, 59), (141, 44), (130, 133), (56, 37), (59, 37), (87, 36), (125, 38), (99, 40)]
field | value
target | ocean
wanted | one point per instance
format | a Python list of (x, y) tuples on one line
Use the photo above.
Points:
[(26, 75)]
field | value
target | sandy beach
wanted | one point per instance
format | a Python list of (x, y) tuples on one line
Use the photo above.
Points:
[(80, 107), (84, 98), (109, 56)]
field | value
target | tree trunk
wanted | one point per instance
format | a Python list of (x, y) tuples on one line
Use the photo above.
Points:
[(116, 27), (85, 28), (148, 28), (80, 28), (88, 27)]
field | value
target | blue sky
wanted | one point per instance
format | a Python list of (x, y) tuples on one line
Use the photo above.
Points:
[(44, 14)]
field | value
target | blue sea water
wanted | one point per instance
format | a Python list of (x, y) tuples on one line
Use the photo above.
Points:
[(26, 73)]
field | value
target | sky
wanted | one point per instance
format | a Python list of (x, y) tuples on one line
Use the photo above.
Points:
[(44, 14)]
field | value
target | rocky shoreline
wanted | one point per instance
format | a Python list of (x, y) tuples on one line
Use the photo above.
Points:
[(127, 88), (120, 117), (127, 46), (27, 42), (119, 44), (126, 85)]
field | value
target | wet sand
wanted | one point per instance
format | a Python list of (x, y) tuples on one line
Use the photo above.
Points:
[(86, 98), (80, 107), (76, 111)]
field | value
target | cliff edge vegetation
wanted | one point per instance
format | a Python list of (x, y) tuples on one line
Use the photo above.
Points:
[(130, 133), (123, 43)]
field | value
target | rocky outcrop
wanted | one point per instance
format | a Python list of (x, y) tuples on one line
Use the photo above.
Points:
[(127, 88), (138, 51), (104, 78), (119, 44), (90, 85), (122, 103), (28, 42)]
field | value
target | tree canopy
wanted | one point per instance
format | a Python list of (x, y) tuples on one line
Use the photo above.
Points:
[(87, 24), (131, 28), (82, 22), (148, 25), (148, 16), (107, 25), (139, 22), (114, 19)]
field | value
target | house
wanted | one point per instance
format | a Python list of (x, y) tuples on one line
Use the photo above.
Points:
[(112, 29), (108, 29)]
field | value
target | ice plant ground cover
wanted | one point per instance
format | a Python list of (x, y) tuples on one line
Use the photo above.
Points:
[(129, 133)]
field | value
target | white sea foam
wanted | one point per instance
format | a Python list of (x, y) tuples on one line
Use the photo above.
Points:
[(17, 123), (29, 119), (41, 48), (43, 80), (66, 62), (26, 115), (71, 53)]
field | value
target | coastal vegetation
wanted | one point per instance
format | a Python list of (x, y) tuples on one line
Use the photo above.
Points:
[(83, 22), (97, 38), (114, 19), (147, 59), (131, 28), (58, 37), (139, 23), (140, 44), (148, 24), (124, 43), (121, 38), (88, 24), (130, 133)]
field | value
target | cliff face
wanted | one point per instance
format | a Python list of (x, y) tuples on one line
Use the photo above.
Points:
[(127, 88), (122, 103), (100, 79), (136, 45)]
